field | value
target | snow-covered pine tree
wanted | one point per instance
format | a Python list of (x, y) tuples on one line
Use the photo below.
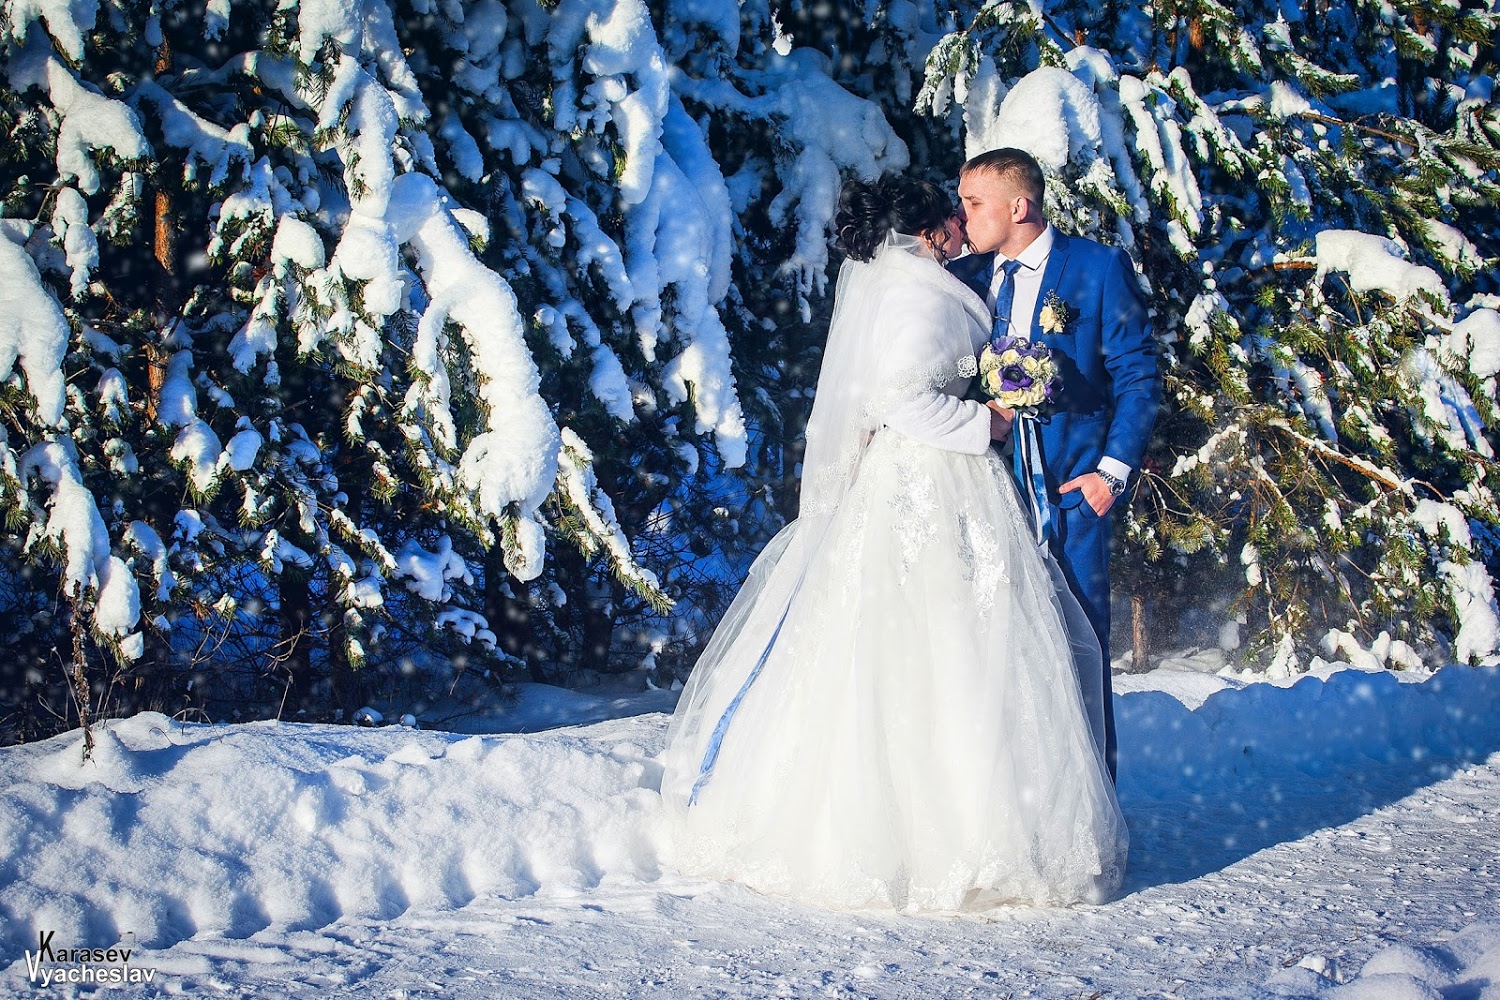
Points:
[(561, 128), (788, 117), (74, 166), (337, 289), (1310, 191), (367, 308)]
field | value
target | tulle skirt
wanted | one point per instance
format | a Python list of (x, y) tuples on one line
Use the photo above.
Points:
[(891, 715)]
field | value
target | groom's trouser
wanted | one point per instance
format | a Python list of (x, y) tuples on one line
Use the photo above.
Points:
[(1082, 550)]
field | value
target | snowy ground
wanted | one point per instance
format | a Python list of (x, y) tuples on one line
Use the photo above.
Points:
[(1286, 839)]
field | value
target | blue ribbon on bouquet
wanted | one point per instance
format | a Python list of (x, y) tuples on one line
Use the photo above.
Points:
[(1028, 461)]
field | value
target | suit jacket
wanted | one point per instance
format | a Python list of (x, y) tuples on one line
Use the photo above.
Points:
[(1110, 385)]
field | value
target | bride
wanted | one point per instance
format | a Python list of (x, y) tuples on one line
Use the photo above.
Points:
[(890, 713)]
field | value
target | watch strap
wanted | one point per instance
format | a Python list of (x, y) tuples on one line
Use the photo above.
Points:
[(1115, 483)]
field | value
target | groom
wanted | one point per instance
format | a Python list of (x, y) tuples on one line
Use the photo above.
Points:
[(1094, 434)]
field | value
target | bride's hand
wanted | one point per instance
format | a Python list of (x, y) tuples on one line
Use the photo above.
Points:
[(1001, 420)]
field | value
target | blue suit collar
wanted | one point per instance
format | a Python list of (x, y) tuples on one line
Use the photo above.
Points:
[(1057, 261)]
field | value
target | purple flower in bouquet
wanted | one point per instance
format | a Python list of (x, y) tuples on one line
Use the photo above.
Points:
[(1018, 373)]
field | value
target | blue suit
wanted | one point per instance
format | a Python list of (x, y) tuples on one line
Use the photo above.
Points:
[(1110, 389)]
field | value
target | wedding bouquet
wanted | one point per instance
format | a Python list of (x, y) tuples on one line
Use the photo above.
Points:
[(1018, 373)]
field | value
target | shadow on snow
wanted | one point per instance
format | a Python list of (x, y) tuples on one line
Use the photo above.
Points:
[(1262, 765)]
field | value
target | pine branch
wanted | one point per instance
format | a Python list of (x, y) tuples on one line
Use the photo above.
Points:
[(1321, 448)]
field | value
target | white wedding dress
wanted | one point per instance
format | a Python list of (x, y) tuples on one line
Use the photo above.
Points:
[(890, 714)]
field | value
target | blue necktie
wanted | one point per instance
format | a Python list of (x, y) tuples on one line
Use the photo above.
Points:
[(1005, 298)]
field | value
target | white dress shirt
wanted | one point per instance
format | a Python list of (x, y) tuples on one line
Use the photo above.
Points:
[(1033, 262), (1023, 308)]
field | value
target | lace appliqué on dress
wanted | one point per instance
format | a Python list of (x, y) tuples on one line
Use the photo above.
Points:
[(1000, 469), (915, 505), (979, 549), (823, 490), (851, 546)]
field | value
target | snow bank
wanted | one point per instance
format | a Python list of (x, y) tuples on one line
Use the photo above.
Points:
[(1465, 965), (322, 822), (1260, 733), (318, 823)]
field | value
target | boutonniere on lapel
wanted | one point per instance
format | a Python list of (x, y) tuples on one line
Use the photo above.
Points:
[(1055, 314)]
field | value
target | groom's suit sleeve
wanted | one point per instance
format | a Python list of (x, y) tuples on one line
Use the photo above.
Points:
[(1131, 358), (974, 270)]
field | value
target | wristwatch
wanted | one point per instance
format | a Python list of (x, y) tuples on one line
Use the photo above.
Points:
[(1115, 483)]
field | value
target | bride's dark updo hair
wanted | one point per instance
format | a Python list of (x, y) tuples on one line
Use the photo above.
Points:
[(867, 212)]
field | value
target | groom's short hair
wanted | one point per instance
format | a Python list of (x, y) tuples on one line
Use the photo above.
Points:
[(1015, 165)]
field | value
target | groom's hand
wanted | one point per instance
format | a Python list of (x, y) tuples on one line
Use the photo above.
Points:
[(1095, 491), (1002, 419)]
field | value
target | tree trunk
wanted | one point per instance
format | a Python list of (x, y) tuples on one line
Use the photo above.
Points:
[(590, 615), (167, 281), (509, 617), (157, 357), (78, 675), (1140, 657), (166, 235), (348, 687), (295, 648), (599, 628)]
